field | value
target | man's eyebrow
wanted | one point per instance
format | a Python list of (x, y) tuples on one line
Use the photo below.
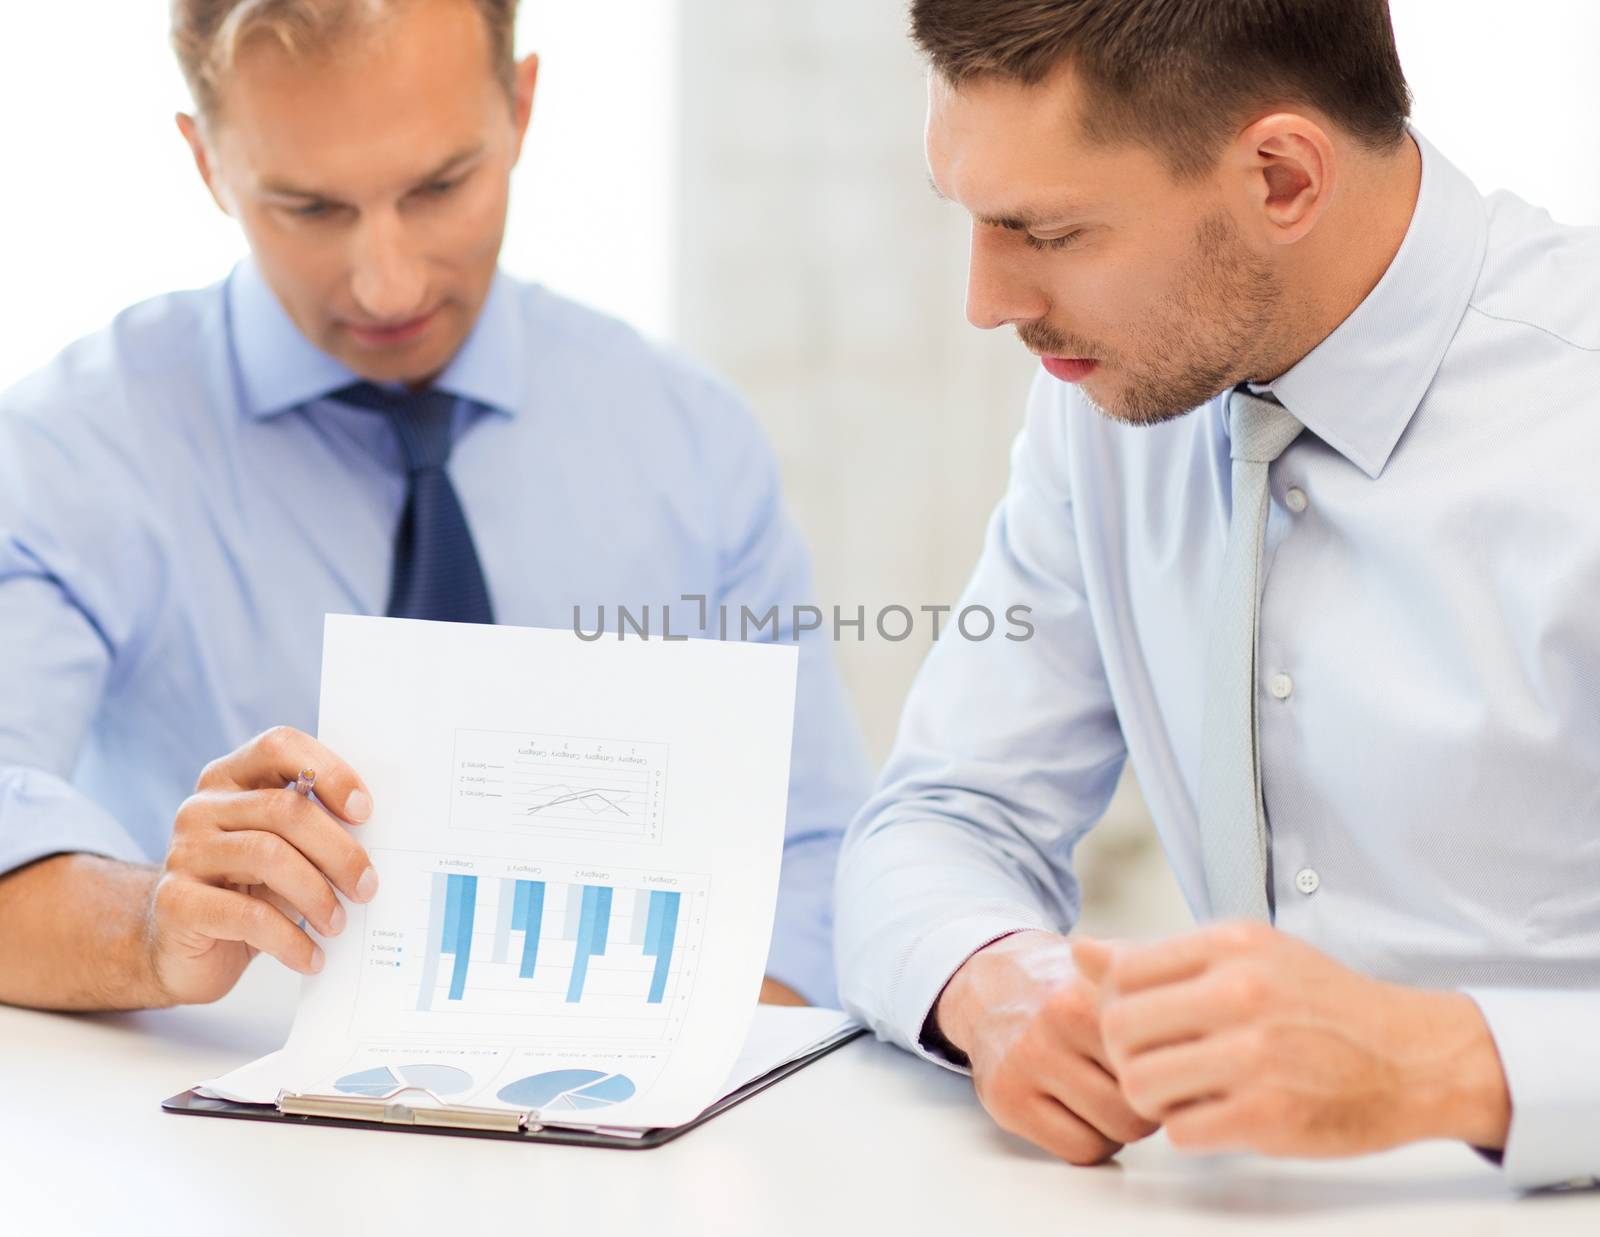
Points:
[(1017, 221), (287, 189), (453, 164)]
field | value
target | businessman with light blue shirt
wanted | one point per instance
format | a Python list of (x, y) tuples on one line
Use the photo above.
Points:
[(1305, 510), (366, 417)]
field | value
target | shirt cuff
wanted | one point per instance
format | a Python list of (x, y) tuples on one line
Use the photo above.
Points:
[(42, 815), (801, 955), (929, 967), (1549, 1045)]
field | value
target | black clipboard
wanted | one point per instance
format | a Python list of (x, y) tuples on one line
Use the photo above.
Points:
[(404, 1118)]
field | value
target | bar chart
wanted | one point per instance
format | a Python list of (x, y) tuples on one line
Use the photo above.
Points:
[(605, 953), (560, 786)]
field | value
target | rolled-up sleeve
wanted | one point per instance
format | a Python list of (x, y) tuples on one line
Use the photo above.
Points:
[(64, 564), (53, 664), (1009, 751)]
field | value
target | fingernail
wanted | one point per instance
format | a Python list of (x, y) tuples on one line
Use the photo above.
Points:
[(336, 920), (358, 806), (367, 886), (317, 959)]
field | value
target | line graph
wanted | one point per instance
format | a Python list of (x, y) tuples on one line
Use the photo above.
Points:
[(559, 785), (593, 798)]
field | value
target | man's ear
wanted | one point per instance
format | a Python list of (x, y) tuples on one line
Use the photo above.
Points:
[(524, 84), (1285, 168), (194, 135)]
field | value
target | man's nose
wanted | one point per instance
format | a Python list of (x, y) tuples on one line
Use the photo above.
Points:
[(387, 279), (999, 290)]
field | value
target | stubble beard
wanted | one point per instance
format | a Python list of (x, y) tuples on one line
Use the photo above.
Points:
[(1199, 340)]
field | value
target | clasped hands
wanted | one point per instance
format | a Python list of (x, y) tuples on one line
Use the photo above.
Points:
[(1233, 1037)]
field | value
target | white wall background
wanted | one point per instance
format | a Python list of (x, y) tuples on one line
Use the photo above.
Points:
[(101, 205), (1510, 93)]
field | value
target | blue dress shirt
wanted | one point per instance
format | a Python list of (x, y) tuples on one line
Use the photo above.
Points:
[(1428, 688), (179, 507)]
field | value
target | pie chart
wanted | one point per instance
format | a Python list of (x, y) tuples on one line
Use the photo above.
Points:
[(569, 1089), (440, 1079)]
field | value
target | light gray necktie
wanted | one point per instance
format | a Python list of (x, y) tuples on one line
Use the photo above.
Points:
[(1233, 826)]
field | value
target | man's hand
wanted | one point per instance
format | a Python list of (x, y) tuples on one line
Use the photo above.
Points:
[(1029, 1023), (249, 859), (776, 992), (1242, 1037)]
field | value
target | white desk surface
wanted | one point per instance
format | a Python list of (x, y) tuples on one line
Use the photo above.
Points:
[(868, 1140)]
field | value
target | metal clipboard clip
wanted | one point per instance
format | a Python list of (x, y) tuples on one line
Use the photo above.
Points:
[(392, 1109)]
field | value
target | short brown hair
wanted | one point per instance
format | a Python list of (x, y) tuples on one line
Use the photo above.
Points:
[(1181, 76), (207, 34)]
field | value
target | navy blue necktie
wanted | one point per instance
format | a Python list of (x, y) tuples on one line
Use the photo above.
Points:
[(436, 571)]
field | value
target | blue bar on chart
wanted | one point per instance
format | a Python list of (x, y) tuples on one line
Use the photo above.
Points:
[(430, 955), (502, 920), (660, 932), (569, 928), (594, 921), (460, 906), (527, 917), (640, 918), (600, 933)]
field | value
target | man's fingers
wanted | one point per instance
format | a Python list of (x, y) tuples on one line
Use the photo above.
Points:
[(1094, 1097), (1137, 967), (1092, 958), (1071, 1017), (1085, 1041), (310, 830), (291, 912), (277, 757), (1210, 1125), (254, 857), (1063, 1133), (1160, 1083), (1170, 1014), (225, 915)]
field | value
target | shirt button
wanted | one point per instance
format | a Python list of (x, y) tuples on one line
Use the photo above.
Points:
[(1306, 880), (1282, 686), (1295, 500)]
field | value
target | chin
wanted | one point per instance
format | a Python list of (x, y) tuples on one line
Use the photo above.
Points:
[(1103, 399), (1126, 408), (405, 365)]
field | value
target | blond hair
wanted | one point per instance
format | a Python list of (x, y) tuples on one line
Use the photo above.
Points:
[(207, 35)]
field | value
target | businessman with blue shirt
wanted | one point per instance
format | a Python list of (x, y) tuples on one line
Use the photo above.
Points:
[(366, 417), (1305, 510)]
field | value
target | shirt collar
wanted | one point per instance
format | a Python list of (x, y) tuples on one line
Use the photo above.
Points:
[(489, 367), (1359, 388), (280, 369)]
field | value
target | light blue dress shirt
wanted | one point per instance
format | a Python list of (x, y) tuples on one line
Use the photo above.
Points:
[(1428, 691), (179, 509)]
